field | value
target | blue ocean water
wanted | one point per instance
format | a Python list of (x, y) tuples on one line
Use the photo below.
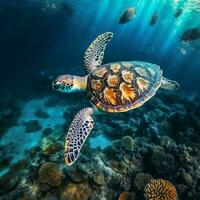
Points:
[(53, 41), (126, 153)]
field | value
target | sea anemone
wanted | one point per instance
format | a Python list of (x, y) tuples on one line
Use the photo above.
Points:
[(126, 196), (159, 189), (141, 180), (51, 174)]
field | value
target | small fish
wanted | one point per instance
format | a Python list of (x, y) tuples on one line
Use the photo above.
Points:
[(191, 34), (154, 19), (127, 15), (178, 13)]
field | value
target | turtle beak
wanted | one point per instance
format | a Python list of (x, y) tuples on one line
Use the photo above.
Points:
[(56, 85)]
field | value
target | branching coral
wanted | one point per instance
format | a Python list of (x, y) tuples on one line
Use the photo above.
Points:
[(126, 196), (159, 189), (51, 174), (141, 180)]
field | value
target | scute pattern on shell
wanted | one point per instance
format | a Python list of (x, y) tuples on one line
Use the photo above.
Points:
[(122, 86)]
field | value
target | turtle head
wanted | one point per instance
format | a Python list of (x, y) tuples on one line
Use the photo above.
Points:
[(69, 83)]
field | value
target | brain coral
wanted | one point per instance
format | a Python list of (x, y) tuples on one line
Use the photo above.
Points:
[(128, 143), (159, 189), (126, 196), (141, 180), (116, 145), (51, 174)]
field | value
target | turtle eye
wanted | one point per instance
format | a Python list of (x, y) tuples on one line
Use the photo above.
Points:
[(56, 85)]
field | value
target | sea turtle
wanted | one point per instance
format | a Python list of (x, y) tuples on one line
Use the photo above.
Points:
[(112, 88)]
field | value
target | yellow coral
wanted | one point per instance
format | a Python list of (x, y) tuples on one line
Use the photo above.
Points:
[(51, 174), (158, 189), (126, 196)]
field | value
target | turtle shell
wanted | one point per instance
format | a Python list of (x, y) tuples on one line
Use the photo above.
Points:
[(122, 86)]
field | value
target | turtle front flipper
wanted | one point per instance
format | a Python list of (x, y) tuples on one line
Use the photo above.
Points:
[(168, 84), (79, 130), (95, 52)]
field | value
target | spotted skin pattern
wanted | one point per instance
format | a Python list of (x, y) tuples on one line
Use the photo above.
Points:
[(79, 129), (124, 85), (95, 52), (64, 83)]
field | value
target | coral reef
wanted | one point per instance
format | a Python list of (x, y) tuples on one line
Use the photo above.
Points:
[(32, 191), (12, 177), (125, 183), (81, 191), (141, 180), (116, 145), (126, 196), (50, 145), (163, 164), (77, 175), (128, 143), (99, 179), (158, 189), (153, 143), (51, 174)]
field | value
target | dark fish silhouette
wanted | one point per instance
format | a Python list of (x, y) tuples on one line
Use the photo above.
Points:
[(127, 15), (154, 19), (67, 9), (191, 34), (178, 13)]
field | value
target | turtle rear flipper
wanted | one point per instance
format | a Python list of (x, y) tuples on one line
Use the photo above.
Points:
[(168, 84), (95, 52), (78, 132)]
